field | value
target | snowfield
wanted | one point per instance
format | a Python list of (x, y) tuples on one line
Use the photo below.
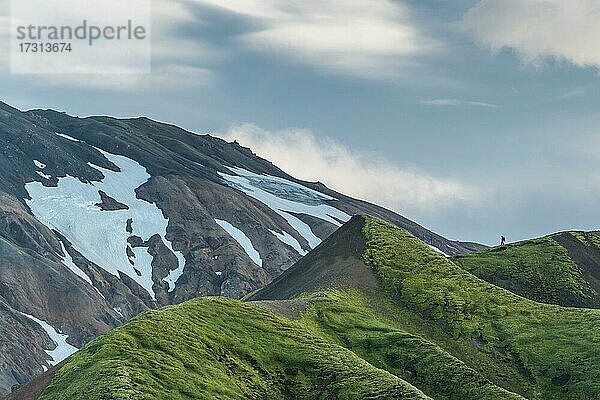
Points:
[(62, 349), (174, 275), (287, 198), (101, 236), (242, 239), (289, 240)]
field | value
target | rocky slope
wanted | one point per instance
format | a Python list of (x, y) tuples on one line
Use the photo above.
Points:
[(373, 312), (101, 219)]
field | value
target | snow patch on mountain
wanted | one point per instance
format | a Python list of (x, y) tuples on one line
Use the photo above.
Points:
[(242, 239), (39, 164), (287, 198), (62, 349), (70, 209), (142, 263), (289, 240), (62, 135), (68, 261), (438, 250), (302, 228), (43, 175), (174, 275)]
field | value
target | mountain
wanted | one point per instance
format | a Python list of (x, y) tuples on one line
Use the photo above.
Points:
[(562, 269), (372, 312), (533, 349), (104, 218)]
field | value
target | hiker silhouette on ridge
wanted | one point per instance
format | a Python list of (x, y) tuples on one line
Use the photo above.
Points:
[(502, 240)]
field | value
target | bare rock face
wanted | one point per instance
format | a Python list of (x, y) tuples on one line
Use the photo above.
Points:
[(107, 203), (102, 218)]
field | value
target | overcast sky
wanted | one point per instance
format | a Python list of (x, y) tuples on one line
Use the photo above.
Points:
[(474, 118)]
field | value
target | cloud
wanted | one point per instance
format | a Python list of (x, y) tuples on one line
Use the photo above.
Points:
[(177, 61), (367, 176), (563, 30), (163, 77), (456, 103), (373, 39), (170, 46)]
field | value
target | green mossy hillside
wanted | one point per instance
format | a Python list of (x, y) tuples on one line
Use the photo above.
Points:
[(591, 239), (555, 349), (539, 269), (349, 319), (214, 348)]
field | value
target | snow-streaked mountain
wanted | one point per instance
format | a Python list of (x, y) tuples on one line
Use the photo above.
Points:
[(102, 218)]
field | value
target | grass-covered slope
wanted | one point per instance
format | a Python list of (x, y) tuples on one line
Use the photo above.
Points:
[(349, 319), (561, 269), (553, 349), (361, 317), (214, 348)]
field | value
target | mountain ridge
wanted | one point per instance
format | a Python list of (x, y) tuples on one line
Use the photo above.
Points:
[(372, 292), (152, 194), (320, 293), (561, 268)]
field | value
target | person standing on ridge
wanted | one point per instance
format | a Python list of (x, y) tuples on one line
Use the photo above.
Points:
[(502, 240)]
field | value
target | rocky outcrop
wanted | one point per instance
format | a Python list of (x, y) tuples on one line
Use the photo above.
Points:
[(107, 203)]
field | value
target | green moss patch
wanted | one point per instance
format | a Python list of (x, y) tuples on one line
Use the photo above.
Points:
[(539, 269), (554, 348), (214, 348)]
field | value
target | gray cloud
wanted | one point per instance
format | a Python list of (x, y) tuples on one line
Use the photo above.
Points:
[(176, 61), (538, 30), (456, 103), (368, 176), (374, 39)]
